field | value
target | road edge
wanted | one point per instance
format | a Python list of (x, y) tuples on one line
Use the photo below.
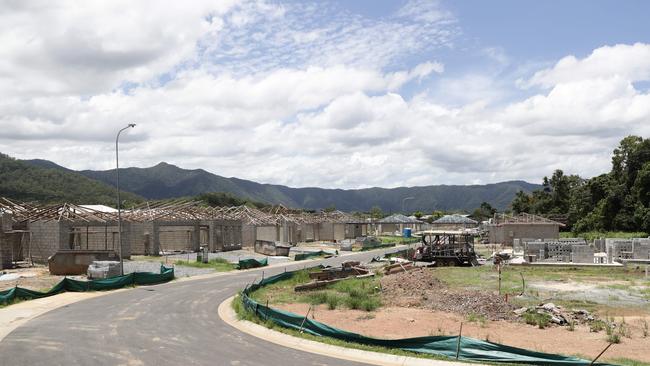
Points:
[(228, 315)]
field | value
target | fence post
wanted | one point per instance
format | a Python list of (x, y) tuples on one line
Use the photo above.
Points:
[(460, 333), (305, 319), (600, 354)]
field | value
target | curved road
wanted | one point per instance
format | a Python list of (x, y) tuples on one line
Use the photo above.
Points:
[(170, 324)]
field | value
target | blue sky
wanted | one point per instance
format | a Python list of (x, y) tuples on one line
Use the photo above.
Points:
[(342, 94)]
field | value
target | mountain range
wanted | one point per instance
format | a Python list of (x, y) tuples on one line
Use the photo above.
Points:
[(169, 181)]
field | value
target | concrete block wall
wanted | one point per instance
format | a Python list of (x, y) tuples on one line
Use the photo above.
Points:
[(582, 253), (46, 238), (6, 250), (248, 234), (560, 252), (267, 233), (535, 250), (176, 237), (226, 235), (505, 233)]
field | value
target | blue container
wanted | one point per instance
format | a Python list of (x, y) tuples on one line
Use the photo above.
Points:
[(406, 232)]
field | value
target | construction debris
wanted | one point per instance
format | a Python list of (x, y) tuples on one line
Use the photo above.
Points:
[(331, 275), (419, 288), (557, 314)]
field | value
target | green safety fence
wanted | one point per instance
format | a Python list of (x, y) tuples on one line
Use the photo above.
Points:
[(70, 285), (470, 349), (378, 246), (252, 263), (307, 255)]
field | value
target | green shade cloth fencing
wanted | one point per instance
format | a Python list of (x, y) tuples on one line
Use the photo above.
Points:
[(470, 349), (252, 263), (70, 285), (307, 255)]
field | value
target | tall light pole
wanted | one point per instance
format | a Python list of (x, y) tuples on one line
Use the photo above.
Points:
[(404, 200), (119, 203)]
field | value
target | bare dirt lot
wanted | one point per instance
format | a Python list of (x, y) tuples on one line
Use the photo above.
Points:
[(425, 302), (401, 322)]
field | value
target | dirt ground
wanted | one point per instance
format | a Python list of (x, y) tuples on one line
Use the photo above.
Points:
[(402, 322), (35, 278)]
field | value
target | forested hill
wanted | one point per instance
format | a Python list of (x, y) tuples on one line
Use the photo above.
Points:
[(169, 181), (23, 181), (614, 201)]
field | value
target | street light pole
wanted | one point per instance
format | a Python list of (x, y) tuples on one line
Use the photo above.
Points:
[(119, 203), (404, 200)]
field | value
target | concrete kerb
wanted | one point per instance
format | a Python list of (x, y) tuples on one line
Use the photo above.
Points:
[(16, 315), (228, 315)]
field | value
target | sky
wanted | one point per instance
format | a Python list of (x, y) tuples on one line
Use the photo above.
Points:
[(333, 94)]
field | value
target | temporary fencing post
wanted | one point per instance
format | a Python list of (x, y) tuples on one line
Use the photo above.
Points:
[(262, 276), (523, 284), (499, 267), (305, 319), (460, 334), (600, 354)]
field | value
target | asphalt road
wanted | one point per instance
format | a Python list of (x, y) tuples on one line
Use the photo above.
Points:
[(170, 324)]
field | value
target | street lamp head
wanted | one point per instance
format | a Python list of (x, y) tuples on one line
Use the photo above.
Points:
[(131, 125)]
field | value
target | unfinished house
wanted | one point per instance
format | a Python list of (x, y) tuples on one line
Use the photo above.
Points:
[(453, 223), (619, 250), (555, 251), (395, 224), (503, 228), (13, 235)]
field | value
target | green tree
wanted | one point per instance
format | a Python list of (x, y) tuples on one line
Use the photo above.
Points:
[(418, 214), (376, 212)]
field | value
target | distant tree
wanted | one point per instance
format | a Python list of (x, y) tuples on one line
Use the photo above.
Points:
[(418, 214), (330, 208), (435, 215), (376, 212), (484, 212)]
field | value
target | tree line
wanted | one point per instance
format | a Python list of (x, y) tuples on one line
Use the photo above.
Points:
[(615, 201)]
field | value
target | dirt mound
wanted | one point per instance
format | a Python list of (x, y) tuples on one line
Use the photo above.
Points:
[(419, 288)]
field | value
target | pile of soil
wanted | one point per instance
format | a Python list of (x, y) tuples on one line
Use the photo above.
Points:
[(419, 288)]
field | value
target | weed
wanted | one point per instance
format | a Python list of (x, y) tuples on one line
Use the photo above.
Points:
[(478, 318), (572, 326), (535, 318), (332, 301), (613, 338), (596, 326), (624, 331)]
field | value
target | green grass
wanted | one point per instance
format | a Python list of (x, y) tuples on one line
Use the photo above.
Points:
[(12, 302), (539, 319), (591, 235), (398, 240), (628, 362), (218, 264), (353, 293)]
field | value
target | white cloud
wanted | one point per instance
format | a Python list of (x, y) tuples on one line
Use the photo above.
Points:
[(629, 62), (317, 102)]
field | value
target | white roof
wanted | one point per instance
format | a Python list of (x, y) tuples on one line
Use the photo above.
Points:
[(100, 208)]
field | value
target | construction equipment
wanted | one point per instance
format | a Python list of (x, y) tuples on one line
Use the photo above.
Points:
[(447, 248)]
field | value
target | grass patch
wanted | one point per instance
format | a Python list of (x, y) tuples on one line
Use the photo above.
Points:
[(353, 293), (217, 264), (628, 362), (12, 302), (477, 318), (539, 319), (591, 235)]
